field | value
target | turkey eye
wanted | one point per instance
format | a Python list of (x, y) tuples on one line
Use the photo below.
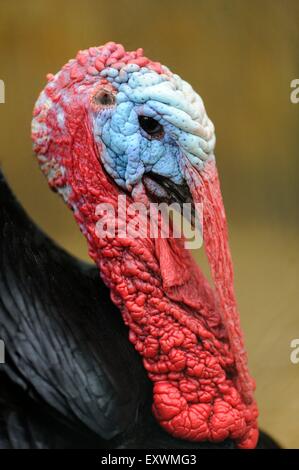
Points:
[(104, 98), (151, 126)]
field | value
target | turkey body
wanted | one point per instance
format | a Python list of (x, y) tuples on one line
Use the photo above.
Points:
[(71, 378)]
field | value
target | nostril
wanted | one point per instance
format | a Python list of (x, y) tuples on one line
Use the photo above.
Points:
[(104, 98)]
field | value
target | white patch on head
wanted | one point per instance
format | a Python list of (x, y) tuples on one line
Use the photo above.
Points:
[(175, 101)]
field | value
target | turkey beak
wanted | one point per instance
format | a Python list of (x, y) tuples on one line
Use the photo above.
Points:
[(162, 189)]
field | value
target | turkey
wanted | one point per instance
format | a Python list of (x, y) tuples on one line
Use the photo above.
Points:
[(139, 351)]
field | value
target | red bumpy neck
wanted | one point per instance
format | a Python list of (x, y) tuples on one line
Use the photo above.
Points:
[(187, 333)]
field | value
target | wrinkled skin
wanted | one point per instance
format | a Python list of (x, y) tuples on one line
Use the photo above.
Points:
[(128, 153), (86, 126)]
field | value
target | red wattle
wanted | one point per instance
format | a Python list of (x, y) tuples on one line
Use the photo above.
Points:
[(205, 188)]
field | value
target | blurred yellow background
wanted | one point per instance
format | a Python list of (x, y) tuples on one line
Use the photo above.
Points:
[(241, 57)]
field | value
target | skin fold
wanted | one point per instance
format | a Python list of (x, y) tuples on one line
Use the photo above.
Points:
[(90, 144)]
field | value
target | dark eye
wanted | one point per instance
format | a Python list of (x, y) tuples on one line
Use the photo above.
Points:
[(151, 126), (104, 98)]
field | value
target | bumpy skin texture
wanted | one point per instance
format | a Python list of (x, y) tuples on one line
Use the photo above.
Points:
[(187, 332)]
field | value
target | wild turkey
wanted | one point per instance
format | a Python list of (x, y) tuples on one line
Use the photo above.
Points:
[(113, 123)]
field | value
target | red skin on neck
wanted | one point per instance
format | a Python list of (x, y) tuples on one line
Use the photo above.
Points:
[(188, 335)]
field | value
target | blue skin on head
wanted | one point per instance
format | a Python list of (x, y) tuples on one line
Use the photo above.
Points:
[(128, 151)]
